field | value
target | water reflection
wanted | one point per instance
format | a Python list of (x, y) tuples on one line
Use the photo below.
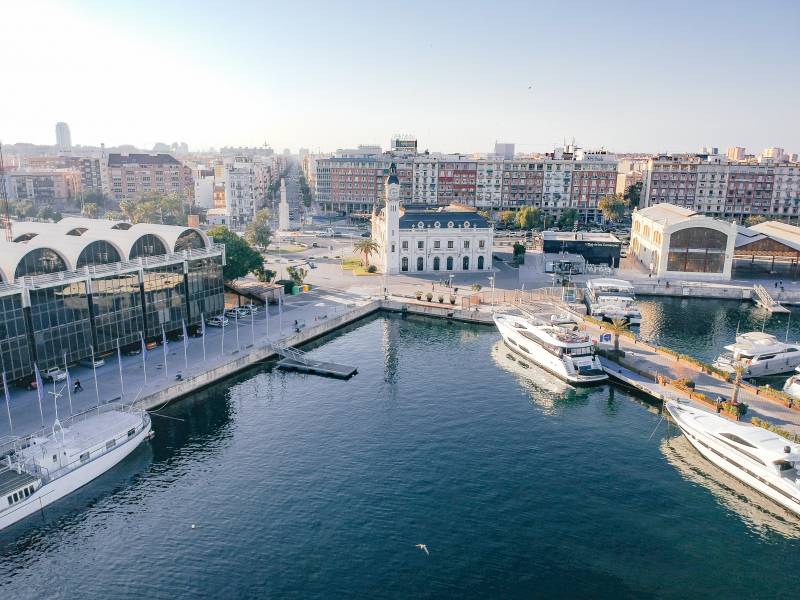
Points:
[(547, 391), (760, 514)]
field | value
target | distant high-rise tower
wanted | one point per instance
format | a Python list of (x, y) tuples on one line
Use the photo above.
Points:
[(504, 150), (63, 138), (736, 153)]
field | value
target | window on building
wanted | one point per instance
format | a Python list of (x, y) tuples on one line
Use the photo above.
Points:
[(450, 244), (405, 245), (466, 244), (481, 244), (420, 264), (404, 264), (420, 245)]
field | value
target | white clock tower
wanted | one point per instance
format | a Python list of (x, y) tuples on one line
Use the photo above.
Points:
[(391, 241)]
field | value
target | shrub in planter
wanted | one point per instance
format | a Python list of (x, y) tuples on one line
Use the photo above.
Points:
[(452, 300), (419, 294), (372, 269), (441, 299), (429, 296), (685, 382)]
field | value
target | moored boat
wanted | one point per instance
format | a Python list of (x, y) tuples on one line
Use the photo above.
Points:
[(47, 465), (758, 458), (564, 352), (759, 354), (609, 299)]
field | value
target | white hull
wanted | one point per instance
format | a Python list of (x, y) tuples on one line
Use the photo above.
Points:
[(775, 366), (68, 483), (544, 359), (738, 466)]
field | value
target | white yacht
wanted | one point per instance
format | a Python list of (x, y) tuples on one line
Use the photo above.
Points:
[(759, 458), (609, 299), (47, 465), (566, 353), (760, 354), (792, 385)]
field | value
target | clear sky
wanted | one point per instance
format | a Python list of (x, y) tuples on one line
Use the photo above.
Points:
[(629, 76)]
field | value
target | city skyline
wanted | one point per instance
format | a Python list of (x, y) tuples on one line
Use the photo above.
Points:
[(459, 80)]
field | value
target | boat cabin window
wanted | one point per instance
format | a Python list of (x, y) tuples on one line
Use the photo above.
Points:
[(55, 457), (16, 499), (10, 501), (131, 432), (84, 457), (737, 439), (110, 444), (27, 492), (766, 356), (784, 466), (584, 351), (523, 348), (512, 342)]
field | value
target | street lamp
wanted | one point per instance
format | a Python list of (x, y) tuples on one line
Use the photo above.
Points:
[(491, 279)]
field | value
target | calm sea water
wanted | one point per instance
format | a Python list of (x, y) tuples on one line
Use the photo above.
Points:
[(304, 487)]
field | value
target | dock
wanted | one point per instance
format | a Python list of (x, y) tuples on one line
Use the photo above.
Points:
[(297, 360), (765, 300)]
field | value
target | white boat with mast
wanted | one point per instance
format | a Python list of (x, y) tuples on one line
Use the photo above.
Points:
[(44, 466), (559, 349), (759, 458), (609, 299), (759, 354)]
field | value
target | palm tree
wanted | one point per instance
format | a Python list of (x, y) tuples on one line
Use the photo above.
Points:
[(367, 247), (618, 325), (737, 382), (90, 209), (128, 208)]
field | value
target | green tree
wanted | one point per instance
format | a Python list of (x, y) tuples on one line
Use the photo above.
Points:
[(240, 258), (519, 253), (95, 197), (367, 247), (529, 217), (128, 208), (258, 233), (46, 213), (507, 217), (90, 209), (618, 325), (297, 274), (25, 209), (264, 274), (754, 220), (613, 207), (568, 218), (633, 194)]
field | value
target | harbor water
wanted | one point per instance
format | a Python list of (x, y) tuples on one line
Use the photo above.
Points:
[(283, 485)]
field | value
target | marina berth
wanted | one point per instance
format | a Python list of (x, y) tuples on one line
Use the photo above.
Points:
[(562, 351), (759, 458), (759, 354), (609, 299), (47, 465)]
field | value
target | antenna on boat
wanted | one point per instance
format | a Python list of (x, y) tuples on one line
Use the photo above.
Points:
[(787, 328), (737, 327), (764, 324)]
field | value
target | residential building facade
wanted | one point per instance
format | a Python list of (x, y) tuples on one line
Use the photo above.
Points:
[(134, 175)]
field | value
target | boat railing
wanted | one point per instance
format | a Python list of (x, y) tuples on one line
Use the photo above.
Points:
[(10, 445)]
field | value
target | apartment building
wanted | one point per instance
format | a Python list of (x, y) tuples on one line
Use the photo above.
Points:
[(134, 175), (565, 178), (43, 186), (240, 191), (716, 185)]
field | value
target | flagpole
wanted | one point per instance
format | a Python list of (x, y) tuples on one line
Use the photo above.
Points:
[(222, 351), (203, 334), (8, 402), (39, 384), (55, 398), (185, 341), (236, 322), (144, 356), (164, 345), (96, 387), (69, 384), (252, 328), (280, 313), (119, 362)]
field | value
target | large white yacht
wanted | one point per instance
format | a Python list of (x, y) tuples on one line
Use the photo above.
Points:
[(792, 385), (759, 458), (609, 299), (563, 352), (760, 354), (47, 465)]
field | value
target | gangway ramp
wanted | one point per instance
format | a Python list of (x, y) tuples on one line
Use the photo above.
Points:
[(765, 300), (297, 360)]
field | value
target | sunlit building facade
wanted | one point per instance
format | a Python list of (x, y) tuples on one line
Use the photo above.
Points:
[(84, 286)]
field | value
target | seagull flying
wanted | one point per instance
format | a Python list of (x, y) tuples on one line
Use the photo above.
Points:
[(424, 548)]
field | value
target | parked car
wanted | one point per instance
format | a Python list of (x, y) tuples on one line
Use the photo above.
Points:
[(87, 362), (55, 374), (236, 312), (250, 308), (217, 322), (133, 351)]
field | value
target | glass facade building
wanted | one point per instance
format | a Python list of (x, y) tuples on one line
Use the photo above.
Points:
[(44, 317), (15, 354), (117, 310)]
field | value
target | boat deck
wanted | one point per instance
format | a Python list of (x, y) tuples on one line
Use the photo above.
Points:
[(11, 481)]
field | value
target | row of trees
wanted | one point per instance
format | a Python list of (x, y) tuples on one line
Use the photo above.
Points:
[(613, 207), (169, 209)]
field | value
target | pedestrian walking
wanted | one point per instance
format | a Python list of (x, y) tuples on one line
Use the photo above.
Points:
[(77, 387)]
